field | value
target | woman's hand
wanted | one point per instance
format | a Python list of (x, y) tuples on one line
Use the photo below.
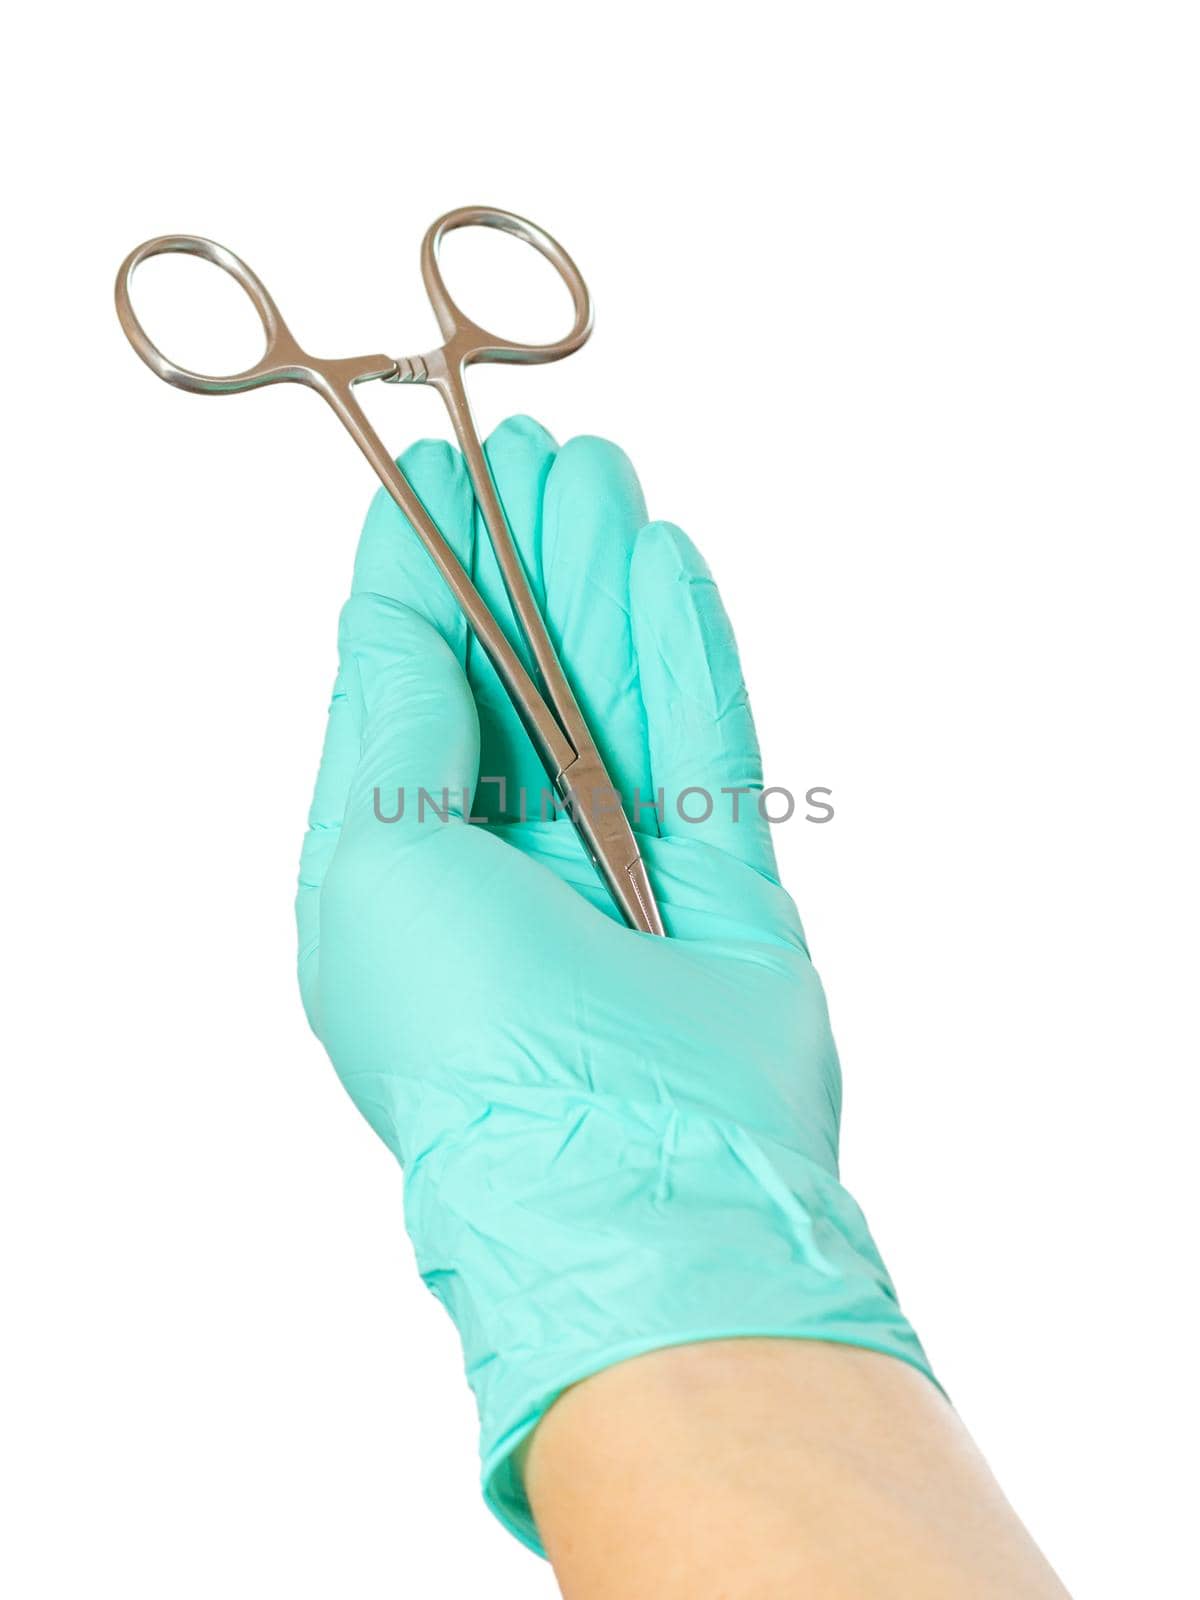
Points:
[(612, 1143)]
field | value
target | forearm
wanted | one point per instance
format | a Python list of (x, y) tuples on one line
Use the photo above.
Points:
[(752, 1469)]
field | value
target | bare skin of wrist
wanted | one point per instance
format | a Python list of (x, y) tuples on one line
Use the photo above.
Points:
[(759, 1469)]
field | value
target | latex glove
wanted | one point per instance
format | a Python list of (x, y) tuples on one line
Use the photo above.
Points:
[(611, 1142)]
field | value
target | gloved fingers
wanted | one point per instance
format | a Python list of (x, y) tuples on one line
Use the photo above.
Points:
[(419, 732), (392, 561), (592, 511), (401, 752), (520, 454), (704, 753)]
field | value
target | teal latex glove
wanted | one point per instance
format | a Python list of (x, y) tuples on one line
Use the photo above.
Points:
[(611, 1142)]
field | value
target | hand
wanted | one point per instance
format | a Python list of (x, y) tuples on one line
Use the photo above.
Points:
[(611, 1142)]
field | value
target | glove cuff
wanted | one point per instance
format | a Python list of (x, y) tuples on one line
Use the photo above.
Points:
[(571, 1232)]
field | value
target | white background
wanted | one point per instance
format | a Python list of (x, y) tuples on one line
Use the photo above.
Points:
[(898, 315)]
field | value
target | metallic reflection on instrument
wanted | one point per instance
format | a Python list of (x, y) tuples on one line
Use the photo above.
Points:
[(548, 709)]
